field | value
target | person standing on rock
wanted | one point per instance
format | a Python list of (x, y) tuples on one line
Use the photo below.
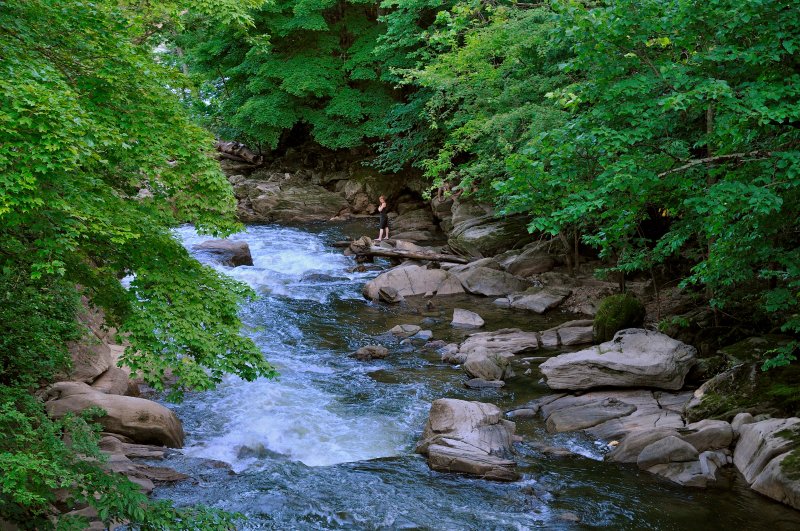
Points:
[(383, 210)]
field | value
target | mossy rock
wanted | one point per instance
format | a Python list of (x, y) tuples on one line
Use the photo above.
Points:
[(616, 313)]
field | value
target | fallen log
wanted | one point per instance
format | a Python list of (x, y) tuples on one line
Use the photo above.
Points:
[(408, 255), (238, 151)]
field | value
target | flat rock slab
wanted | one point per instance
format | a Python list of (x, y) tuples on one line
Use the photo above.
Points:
[(491, 282), (510, 340), (634, 358), (539, 300), (585, 416), (409, 280)]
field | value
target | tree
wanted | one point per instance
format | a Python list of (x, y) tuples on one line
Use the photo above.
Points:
[(98, 162), (305, 65)]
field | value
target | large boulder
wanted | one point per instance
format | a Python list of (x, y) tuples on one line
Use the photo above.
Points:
[(634, 358), (411, 279), (420, 220), (539, 300), (776, 483), (481, 363), (370, 352), (491, 282), (227, 252), (761, 442), (670, 449), (469, 437), (533, 260), (289, 200), (91, 357), (141, 420)]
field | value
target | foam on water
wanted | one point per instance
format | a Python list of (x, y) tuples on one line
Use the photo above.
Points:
[(299, 416)]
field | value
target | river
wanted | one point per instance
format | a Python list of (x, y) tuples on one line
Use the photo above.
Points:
[(330, 443)]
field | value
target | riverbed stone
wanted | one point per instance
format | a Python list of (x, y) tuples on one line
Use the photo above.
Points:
[(231, 253), (390, 295), (480, 383), (469, 437), (761, 442), (405, 330), (370, 352), (481, 363), (466, 319), (634, 358), (142, 420)]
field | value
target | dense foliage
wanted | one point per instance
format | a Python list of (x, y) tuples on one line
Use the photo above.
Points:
[(98, 161), (658, 132)]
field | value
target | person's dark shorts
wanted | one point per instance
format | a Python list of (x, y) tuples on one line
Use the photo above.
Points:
[(383, 223)]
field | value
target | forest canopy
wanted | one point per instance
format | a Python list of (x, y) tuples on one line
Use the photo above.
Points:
[(661, 133)]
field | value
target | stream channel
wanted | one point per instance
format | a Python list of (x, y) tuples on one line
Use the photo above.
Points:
[(330, 443)]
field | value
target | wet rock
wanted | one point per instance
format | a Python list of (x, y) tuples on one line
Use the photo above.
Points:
[(390, 295), (370, 352), (634, 358), (761, 442), (450, 354), (466, 319), (231, 253), (142, 420), (481, 363), (539, 300), (480, 383), (422, 335), (405, 330), (469, 437), (522, 413)]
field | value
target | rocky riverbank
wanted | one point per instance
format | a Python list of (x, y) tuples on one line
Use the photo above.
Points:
[(514, 269)]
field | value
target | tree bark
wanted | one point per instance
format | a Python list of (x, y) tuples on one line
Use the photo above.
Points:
[(238, 151)]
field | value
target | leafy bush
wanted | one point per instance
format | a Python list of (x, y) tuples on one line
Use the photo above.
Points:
[(616, 313)]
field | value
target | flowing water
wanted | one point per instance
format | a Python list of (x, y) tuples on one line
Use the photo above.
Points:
[(330, 444)]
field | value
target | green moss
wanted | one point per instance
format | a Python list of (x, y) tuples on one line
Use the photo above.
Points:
[(616, 313), (790, 466)]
